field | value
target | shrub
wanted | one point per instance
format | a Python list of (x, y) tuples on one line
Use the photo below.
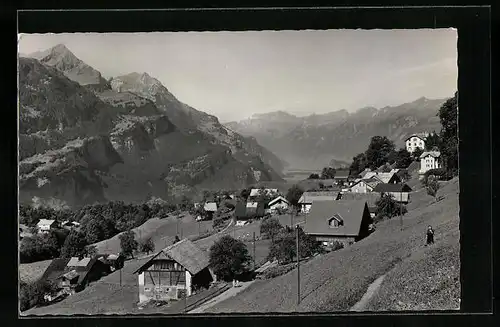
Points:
[(278, 271), (74, 246), (387, 207), (128, 243), (32, 294), (228, 258), (284, 246), (270, 227), (432, 187), (147, 246)]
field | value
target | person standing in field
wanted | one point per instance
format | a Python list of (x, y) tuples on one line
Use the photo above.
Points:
[(430, 235)]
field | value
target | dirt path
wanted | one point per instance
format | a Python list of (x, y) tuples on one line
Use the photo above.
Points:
[(372, 289), (227, 294)]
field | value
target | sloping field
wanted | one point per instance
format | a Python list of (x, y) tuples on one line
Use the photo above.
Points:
[(30, 272), (161, 231), (336, 281)]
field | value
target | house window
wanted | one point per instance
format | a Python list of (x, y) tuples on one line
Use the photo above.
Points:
[(165, 265), (334, 223)]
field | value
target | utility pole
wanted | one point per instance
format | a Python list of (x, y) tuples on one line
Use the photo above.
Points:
[(253, 250), (401, 209), (298, 267)]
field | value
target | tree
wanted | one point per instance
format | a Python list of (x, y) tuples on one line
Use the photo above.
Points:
[(359, 163), (378, 152), (432, 141), (147, 246), (417, 153), (270, 227), (405, 175), (432, 187), (284, 247), (403, 158), (448, 116), (293, 195), (245, 193), (90, 251), (313, 176), (74, 245), (176, 239), (328, 173), (388, 207), (228, 257), (32, 294), (128, 243)]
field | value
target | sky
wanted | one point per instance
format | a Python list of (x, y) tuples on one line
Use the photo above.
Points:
[(234, 75)]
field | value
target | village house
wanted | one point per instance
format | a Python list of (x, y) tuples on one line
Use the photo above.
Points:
[(388, 178), (244, 211), (345, 221), (400, 192), (342, 176), (279, 203), (306, 200), (364, 185), (255, 192), (415, 141), (429, 160), (174, 273), (210, 208), (70, 224), (45, 225), (73, 274), (370, 198)]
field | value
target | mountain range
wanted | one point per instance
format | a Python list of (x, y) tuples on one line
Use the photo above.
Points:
[(85, 139), (315, 141)]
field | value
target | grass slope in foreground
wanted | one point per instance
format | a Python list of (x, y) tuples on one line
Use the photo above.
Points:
[(336, 281)]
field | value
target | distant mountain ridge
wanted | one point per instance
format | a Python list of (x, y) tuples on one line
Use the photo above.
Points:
[(84, 139), (313, 141)]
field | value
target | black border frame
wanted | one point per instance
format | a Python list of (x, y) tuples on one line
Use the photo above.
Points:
[(475, 124)]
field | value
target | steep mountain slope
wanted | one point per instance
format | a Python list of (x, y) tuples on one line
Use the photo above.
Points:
[(186, 117), (313, 141), (76, 70), (80, 145)]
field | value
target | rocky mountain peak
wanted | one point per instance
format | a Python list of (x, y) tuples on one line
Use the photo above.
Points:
[(61, 58)]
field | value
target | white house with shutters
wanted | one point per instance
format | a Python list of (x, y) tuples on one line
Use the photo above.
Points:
[(415, 141), (429, 160)]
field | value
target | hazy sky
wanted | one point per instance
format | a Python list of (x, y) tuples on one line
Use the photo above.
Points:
[(235, 74)]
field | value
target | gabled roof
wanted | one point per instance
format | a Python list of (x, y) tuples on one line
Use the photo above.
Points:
[(415, 165), (45, 222), (341, 174), (383, 187), (372, 182), (55, 269), (309, 197), (385, 177), (210, 206), (255, 191), (75, 262), (70, 275), (434, 154), (369, 174), (369, 197), (421, 136), (279, 198), (184, 252), (321, 212)]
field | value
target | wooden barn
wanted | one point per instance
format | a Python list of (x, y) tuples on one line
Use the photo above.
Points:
[(174, 272)]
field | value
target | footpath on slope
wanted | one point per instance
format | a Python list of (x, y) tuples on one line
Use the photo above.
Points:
[(370, 292), (224, 296)]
